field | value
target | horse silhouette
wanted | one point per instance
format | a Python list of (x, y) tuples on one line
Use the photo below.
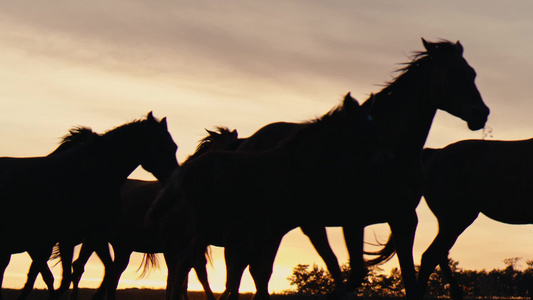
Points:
[(244, 199), (379, 180), (128, 234), (77, 136), (439, 78), (468, 178), (73, 193), (269, 137)]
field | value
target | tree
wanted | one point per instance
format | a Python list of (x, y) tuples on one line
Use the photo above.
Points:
[(312, 280), (507, 282), (315, 280)]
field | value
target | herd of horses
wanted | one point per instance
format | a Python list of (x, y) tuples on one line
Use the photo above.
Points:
[(356, 165)]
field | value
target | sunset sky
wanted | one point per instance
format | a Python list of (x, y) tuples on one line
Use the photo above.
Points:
[(244, 64)]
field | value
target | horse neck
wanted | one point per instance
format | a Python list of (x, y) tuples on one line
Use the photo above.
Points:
[(403, 115), (307, 143), (119, 154)]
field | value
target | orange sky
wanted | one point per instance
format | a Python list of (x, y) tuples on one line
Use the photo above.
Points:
[(243, 65)]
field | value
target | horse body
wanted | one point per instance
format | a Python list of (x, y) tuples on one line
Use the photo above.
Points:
[(472, 177), (373, 177), (402, 113), (75, 192), (503, 198), (128, 228), (25, 221), (257, 194), (128, 232)]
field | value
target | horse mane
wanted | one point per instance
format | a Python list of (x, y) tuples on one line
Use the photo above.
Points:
[(82, 135), (127, 127), (419, 59), (337, 113), (130, 132), (77, 136), (207, 142), (333, 114)]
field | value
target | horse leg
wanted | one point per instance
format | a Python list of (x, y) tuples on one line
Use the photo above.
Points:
[(354, 239), (78, 268), (437, 252), (30, 281), (170, 260), (201, 272), (102, 250), (66, 249), (38, 265), (122, 259), (456, 292), (261, 265), (183, 267), (48, 277), (185, 288), (237, 258), (179, 257), (319, 238), (4, 261), (403, 230)]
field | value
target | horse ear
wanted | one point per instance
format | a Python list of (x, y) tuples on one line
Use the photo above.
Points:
[(351, 105), (150, 116), (459, 48), (235, 133), (350, 101), (164, 123), (211, 133), (426, 44), (372, 99), (430, 47)]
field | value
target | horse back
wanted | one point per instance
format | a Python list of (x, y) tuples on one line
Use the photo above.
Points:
[(492, 177), (270, 136)]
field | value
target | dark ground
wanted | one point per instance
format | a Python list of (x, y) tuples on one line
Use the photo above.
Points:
[(140, 294), (148, 294)]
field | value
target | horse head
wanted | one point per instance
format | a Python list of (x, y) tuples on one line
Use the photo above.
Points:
[(160, 154), (452, 85)]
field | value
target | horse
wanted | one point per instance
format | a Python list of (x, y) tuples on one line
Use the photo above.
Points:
[(75, 192), (468, 178), (76, 137), (402, 113), (439, 78), (243, 199), (128, 233)]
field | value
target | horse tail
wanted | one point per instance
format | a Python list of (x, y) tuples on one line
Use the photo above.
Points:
[(56, 254), (165, 200), (383, 255), (208, 255), (150, 260)]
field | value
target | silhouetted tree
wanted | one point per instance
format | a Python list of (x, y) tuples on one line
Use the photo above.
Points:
[(315, 280), (311, 280), (496, 283)]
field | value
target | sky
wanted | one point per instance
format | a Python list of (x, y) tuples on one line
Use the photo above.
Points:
[(244, 64)]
